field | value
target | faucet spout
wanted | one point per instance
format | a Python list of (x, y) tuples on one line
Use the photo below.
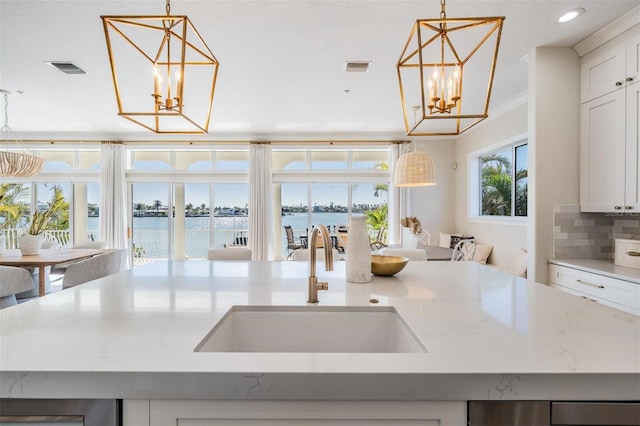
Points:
[(314, 285)]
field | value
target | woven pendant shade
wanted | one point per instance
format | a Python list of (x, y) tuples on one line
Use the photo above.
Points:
[(414, 168), (17, 164)]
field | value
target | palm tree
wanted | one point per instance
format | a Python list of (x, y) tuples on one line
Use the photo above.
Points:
[(521, 192), (10, 210), (378, 217), (496, 185), (157, 204), (56, 216), (140, 207), (380, 188)]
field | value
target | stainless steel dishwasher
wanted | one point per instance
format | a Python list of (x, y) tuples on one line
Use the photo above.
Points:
[(71, 412), (553, 413)]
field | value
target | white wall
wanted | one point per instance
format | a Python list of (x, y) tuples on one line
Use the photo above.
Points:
[(554, 142), (506, 239), (433, 205)]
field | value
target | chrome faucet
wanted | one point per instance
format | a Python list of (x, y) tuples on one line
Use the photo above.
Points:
[(314, 285)]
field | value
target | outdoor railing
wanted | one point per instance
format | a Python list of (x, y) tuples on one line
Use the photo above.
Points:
[(153, 243), (60, 236)]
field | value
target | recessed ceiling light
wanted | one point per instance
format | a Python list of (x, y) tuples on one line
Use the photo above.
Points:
[(571, 15)]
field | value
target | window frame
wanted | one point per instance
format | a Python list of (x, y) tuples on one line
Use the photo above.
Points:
[(474, 188)]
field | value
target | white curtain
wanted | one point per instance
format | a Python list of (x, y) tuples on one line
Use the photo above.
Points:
[(260, 199), (399, 198), (113, 215)]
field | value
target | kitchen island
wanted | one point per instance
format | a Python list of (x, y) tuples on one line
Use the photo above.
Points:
[(489, 335)]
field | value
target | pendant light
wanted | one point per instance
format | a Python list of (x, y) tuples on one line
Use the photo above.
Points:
[(446, 71), (19, 161), (164, 74), (415, 168)]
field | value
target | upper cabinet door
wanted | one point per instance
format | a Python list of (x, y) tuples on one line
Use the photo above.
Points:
[(632, 149), (602, 71), (612, 66), (602, 154), (633, 58)]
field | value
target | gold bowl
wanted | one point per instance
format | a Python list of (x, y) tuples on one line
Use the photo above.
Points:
[(386, 266)]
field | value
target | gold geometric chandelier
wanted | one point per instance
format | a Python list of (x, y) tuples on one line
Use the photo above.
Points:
[(165, 75), (442, 61), (19, 162)]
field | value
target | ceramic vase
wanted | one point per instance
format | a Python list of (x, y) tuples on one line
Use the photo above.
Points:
[(30, 244), (358, 252), (409, 241)]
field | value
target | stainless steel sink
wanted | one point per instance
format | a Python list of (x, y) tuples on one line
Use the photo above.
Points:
[(311, 329)]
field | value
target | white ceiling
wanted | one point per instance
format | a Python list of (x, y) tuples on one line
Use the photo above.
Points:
[(282, 61)]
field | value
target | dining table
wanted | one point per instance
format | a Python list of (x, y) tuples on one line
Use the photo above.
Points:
[(44, 258)]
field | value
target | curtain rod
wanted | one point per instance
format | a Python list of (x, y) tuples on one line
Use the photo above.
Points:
[(218, 142)]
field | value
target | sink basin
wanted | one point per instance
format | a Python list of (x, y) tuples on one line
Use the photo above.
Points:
[(311, 329)]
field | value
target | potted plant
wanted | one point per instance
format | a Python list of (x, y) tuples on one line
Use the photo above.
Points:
[(31, 242)]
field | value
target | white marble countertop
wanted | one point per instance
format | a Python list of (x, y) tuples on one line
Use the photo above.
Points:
[(489, 335), (601, 267)]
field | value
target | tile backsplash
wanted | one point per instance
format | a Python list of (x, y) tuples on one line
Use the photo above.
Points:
[(579, 235)]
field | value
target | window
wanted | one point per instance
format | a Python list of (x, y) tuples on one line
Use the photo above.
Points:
[(503, 181), (327, 186), (178, 212)]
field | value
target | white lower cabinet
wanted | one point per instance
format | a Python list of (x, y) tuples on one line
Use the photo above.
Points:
[(619, 294), (293, 413)]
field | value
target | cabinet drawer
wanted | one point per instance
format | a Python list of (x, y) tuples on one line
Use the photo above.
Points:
[(617, 291), (592, 298)]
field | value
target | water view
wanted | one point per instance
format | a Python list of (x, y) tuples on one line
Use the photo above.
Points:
[(151, 234)]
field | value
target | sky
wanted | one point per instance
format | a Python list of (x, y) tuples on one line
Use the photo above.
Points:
[(237, 194)]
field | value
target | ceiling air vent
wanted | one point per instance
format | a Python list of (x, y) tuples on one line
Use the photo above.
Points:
[(359, 66), (67, 67)]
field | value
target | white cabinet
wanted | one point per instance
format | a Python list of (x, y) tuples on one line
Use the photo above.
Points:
[(619, 294), (611, 66), (609, 155), (271, 413)]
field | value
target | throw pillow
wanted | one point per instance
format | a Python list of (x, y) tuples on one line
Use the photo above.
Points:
[(445, 240), (482, 253), (455, 239), (520, 264)]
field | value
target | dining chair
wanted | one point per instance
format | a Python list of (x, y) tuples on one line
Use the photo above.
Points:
[(292, 245), (60, 268), (35, 275), (90, 245), (411, 254), (464, 250), (95, 267), (378, 243), (302, 255), (229, 253), (14, 280), (342, 235)]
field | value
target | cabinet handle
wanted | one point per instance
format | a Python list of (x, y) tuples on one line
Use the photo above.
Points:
[(618, 83), (617, 207), (591, 284), (629, 79), (584, 297), (633, 253), (628, 207)]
